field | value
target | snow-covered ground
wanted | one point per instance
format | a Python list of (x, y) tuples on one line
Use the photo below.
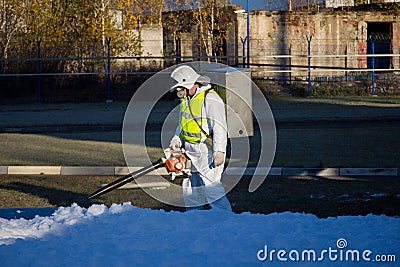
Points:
[(123, 235)]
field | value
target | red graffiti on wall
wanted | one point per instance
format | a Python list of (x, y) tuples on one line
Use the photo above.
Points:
[(362, 50)]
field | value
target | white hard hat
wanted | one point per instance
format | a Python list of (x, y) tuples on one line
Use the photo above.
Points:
[(185, 77)]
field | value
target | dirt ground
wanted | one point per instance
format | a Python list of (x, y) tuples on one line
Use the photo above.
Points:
[(323, 197)]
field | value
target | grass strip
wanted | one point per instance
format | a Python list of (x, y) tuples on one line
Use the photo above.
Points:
[(310, 147)]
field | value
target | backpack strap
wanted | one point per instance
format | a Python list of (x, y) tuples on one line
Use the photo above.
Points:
[(198, 124)]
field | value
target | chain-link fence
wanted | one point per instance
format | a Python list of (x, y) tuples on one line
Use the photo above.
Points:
[(328, 67), (296, 67)]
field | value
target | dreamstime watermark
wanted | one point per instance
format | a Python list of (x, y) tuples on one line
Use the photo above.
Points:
[(339, 253)]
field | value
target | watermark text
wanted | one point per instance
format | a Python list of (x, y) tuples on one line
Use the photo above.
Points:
[(339, 253)]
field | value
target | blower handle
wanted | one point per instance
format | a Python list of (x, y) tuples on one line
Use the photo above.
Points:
[(127, 178)]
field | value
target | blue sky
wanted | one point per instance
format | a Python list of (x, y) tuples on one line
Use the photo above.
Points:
[(262, 4), (254, 4)]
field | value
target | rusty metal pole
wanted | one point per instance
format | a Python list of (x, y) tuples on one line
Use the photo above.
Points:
[(248, 33)]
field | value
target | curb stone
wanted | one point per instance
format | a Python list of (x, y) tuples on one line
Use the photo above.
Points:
[(369, 171), (311, 171), (150, 185), (3, 169), (81, 170), (121, 170), (273, 171), (254, 171), (34, 170), (125, 171)]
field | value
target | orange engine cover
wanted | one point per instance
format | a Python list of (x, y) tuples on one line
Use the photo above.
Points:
[(176, 163)]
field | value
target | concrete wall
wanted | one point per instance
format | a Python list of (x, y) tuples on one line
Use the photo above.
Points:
[(338, 3), (151, 41)]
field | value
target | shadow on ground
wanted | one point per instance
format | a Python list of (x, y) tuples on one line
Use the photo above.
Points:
[(54, 196)]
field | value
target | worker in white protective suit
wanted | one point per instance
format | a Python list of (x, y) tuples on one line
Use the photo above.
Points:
[(202, 132)]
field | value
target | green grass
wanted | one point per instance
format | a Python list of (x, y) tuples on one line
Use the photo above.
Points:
[(360, 101), (309, 147), (345, 147), (34, 149), (334, 108)]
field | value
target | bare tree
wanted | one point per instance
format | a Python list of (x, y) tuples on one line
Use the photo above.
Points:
[(206, 20), (11, 21)]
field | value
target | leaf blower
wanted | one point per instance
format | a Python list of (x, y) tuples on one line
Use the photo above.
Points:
[(176, 163)]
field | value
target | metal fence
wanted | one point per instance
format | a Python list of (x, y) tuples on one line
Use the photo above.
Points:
[(312, 68)]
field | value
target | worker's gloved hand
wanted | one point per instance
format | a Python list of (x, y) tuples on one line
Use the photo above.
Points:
[(175, 143), (219, 158)]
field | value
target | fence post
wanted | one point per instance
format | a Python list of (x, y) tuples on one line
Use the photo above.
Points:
[(38, 41), (248, 33), (290, 63), (373, 39), (108, 40), (177, 50), (243, 40), (309, 38), (345, 63)]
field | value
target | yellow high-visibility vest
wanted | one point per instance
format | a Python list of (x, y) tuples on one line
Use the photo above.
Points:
[(190, 130)]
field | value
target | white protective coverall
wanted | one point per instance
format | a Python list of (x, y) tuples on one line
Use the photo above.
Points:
[(204, 186)]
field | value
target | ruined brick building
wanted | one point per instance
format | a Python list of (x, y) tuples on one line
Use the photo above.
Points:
[(338, 40)]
